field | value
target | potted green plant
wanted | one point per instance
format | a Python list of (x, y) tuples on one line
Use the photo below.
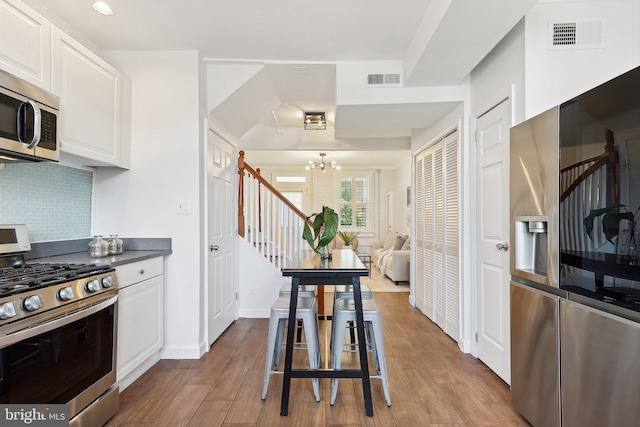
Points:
[(325, 227), (626, 244), (611, 217), (347, 236)]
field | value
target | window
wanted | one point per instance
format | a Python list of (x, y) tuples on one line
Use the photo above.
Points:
[(295, 179), (356, 207)]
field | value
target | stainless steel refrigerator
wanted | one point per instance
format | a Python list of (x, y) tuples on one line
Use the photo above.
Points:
[(575, 273), (535, 345)]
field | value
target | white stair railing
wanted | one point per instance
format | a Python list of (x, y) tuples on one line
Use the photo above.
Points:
[(584, 187), (266, 219)]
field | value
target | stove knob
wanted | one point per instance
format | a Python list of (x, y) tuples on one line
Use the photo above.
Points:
[(107, 282), (7, 310), (32, 303), (93, 286), (65, 294)]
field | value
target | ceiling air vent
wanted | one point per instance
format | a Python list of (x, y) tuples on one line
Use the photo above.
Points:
[(383, 79), (575, 35)]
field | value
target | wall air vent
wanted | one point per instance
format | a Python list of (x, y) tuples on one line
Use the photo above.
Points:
[(575, 35), (383, 79), (564, 33)]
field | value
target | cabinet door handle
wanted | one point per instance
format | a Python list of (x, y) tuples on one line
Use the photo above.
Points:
[(213, 248), (141, 271)]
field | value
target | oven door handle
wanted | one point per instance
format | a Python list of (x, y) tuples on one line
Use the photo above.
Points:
[(54, 323)]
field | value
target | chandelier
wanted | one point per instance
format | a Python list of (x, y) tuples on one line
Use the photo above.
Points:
[(322, 165)]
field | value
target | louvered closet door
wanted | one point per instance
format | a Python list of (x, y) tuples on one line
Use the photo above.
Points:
[(439, 229), (419, 244), (437, 217), (452, 236), (428, 235)]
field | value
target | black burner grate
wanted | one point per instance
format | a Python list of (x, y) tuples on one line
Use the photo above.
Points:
[(29, 276)]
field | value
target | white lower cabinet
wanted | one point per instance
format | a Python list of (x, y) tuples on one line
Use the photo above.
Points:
[(140, 318)]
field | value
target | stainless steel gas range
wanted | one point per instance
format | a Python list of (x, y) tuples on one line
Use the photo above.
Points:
[(57, 333)]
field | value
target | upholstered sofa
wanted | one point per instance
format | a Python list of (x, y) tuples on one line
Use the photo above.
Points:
[(392, 255)]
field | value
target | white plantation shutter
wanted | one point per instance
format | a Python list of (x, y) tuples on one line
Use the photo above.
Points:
[(355, 200), (437, 248), (346, 199)]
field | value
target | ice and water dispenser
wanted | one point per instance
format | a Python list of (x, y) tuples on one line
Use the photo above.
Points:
[(531, 251)]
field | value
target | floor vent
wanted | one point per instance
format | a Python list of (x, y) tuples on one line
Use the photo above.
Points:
[(575, 35), (383, 79)]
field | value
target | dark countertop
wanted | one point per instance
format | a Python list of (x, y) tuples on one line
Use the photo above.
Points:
[(76, 251)]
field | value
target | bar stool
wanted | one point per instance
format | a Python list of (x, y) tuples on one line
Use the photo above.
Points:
[(345, 312), (306, 291), (346, 292), (308, 313)]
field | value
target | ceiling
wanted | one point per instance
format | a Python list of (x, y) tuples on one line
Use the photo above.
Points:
[(298, 47)]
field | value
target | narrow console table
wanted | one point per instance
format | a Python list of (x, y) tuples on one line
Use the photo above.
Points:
[(345, 268)]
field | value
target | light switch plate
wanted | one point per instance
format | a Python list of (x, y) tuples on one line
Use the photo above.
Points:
[(184, 207)]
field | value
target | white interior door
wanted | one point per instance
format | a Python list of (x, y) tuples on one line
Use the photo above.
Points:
[(222, 278), (492, 140)]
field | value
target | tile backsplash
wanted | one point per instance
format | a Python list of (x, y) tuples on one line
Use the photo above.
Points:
[(54, 201)]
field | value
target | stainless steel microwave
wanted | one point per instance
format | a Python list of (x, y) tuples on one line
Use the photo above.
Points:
[(28, 121)]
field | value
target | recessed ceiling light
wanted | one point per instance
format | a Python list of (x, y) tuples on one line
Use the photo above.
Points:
[(102, 7)]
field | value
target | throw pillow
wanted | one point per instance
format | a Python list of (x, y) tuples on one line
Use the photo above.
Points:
[(389, 240), (399, 241), (406, 245)]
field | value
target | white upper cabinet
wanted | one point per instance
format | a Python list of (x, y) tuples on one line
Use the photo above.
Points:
[(25, 43), (95, 103)]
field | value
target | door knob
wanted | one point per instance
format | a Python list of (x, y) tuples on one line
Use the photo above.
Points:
[(503, 246), (213, 248)]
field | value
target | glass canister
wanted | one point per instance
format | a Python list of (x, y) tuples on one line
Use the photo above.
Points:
[(98, 247), (115, 245)]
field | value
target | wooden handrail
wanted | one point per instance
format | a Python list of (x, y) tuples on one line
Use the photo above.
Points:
[(241, 194), (583, 162), (243, 166), (609, 159)]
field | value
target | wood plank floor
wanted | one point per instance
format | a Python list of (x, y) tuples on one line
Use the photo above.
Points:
[(432, 384)]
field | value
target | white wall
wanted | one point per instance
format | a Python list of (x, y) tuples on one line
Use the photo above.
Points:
[(401, 180), (352, 89), (259, 285), (500, 75), (557, 75), (165, 167)]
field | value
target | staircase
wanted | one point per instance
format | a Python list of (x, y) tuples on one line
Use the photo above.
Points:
[(267, 221), (584, 187)]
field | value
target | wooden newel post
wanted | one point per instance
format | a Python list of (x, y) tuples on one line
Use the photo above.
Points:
[(241, 194), (259, 203), (613, 190)]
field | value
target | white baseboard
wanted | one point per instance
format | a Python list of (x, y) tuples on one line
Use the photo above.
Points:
[(138, 371), (258, 313), (180, 353)]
